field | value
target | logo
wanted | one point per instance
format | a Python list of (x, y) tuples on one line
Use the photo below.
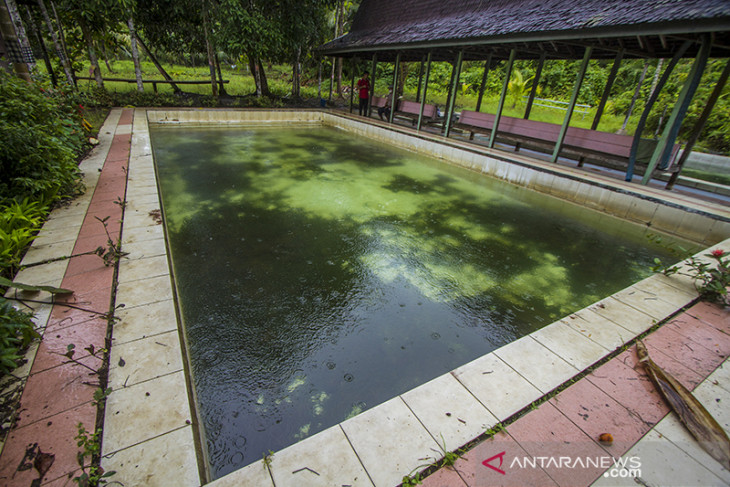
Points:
[(622, 467), (487, 463)]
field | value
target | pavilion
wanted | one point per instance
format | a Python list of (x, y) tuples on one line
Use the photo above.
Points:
[(428, 31)]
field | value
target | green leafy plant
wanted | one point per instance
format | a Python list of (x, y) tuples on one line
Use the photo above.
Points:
[(16, 332), (88, 457), (19, 223), (42, 136), (711, 278)]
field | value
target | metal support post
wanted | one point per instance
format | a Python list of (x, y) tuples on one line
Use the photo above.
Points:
[(394, 103), (454, 85), (425, 91), (664, 148), (502, 97), (571, 106)]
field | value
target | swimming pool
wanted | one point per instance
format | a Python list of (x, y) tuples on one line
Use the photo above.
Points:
[(354, 272)]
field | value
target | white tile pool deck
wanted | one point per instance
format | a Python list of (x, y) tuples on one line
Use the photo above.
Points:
[(149, 428)]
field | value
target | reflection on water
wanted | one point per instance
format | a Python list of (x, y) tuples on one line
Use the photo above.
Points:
[(320, 274)]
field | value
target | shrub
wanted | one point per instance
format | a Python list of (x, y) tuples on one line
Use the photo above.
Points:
[(19, 222), (16, 333), (41, 136)]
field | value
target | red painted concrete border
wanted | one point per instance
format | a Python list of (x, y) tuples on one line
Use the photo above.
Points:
[(59, 395)]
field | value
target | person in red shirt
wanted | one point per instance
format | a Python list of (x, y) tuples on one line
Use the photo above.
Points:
[(363, 86)]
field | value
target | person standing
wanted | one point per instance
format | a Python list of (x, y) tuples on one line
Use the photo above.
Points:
[(363, 86)]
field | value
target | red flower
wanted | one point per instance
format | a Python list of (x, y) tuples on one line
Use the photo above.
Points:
[(718, 253)]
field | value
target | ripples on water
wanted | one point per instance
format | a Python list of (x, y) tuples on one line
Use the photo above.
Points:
[(320, 274)]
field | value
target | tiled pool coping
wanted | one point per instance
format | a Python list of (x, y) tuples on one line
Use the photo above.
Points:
[(149, 431)]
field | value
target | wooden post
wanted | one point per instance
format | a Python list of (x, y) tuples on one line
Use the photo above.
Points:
[(502, 97), (663, 150), (425, 91), (454, 89), (571, 106)]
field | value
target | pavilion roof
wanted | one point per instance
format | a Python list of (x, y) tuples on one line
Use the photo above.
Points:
[(559, 28)]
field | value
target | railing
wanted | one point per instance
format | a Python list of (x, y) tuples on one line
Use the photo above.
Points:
[(552, 103), (154, 81)]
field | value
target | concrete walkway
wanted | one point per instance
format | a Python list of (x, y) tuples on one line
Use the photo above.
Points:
[(58, 394), (152, 445), (617, 398)]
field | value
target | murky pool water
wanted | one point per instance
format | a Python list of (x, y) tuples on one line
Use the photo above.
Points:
[(320, 273)]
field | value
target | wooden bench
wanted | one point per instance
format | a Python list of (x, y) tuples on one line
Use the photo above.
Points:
[(604, 148), (410, 110), (378, 101)]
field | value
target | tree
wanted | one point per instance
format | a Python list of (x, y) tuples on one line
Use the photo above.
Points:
[(56, 45)]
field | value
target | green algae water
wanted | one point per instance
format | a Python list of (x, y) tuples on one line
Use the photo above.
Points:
[(320, 274)]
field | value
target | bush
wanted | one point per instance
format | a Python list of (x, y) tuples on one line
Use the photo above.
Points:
[(41, 136), (16, 333), (19, 222)]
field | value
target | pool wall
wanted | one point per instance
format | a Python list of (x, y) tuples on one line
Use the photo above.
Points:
[(150, 414)]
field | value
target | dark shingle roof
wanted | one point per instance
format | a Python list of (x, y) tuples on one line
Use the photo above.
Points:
[(644, 27)]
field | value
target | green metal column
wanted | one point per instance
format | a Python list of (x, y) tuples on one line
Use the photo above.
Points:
[(502, 97), (352, 84), (454, 85), (373, 65), (394, 104), (664, 148), (420, 80), (573, 100), (607, 88), (483, 86), (649, 104), (697, 130), (535, 82), (425, 91)]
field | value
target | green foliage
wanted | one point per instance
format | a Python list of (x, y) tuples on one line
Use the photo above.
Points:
[(19, 223), (91, 473), (711, 278), (16, 333), (41, 136)]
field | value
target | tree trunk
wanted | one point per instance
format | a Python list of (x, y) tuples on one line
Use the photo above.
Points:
[(295, 81), (338, 31), (209, 49), (92, 52), (159, 67), (106, 57), (264, 82), (19, 29), (254, 68), (42, 44), (636, 95), (62, 39), (656, 76), (8, 34), (135, 54), (319, 81), (221, 86), (56, 45)]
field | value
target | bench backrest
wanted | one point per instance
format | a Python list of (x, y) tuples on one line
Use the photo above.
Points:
[(379, 101), (591, 140), (413, 108)]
